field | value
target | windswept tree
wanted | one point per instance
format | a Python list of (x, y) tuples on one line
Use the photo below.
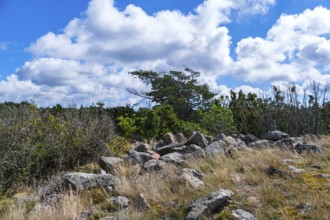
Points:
[(181, 90)]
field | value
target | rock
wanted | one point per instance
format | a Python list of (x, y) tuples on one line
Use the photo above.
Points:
[(272, 171), (170, 138), (154, 165), (175, 158), (293, 169), (83, 181), (198, 139), (155, 156), (108, 218), (308, 148), (109, 164), (249, 138), (220, 137), (216, 148), (142, 202), (241, 214), (84, 215), (138, 157), (276, 135), (236, 177), (285, 144), (181, 139), (322, 175), (210, 204), (120, 202), (314, 166), (260, 144), (142, 147), (237, 143), (193, 177), (167, 148)]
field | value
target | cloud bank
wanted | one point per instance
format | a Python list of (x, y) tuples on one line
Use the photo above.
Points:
[(89, 61)]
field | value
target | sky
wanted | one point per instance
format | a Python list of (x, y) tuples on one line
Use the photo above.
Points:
[(81, 51)]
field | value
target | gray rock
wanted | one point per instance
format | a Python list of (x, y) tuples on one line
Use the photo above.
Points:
[(142, 202), (198, 139), (285, 144), (308, 148), (154, 165), (82, 181), (170, 138), (193, 177), (325, 176), (210, 204), (142, 147), (220, 137), (243, 215), (84, 215), (260, 144), (109, 164), (120, 202), (167, 148), (276, 135), (108, 218), (293, 169), (175, 158), (237, 143), (216, 148), (135, 157), (248, 138)]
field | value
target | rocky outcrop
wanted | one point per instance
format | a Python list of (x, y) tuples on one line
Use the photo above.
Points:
[(210, 204), (83, 181), (109, 164), (199, 139), (260, 144), (276, 135), (120, 202), (154, 165), (162, 150), (143, 147), (170, 138), (175, 158), (135, 157), (193, 177), (308, 148)]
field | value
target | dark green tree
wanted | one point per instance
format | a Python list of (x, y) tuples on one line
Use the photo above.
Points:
[(181, 90)]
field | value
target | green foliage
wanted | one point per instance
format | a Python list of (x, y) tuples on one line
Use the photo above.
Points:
[(217, 120), (180, 90), (34, 143), (118, 146), (127, 125)]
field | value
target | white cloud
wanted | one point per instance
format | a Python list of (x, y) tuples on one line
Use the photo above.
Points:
[(296, 49), (90, 60)]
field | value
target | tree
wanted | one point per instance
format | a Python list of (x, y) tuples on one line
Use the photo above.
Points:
[(181, 90)]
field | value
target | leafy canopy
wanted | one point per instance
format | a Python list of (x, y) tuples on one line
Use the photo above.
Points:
[(181, 90)]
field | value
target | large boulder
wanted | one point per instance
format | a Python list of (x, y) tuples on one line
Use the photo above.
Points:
[(199, 139), (285, 144), (143, 147), (210, 204), (237, 143), (83, 181), (175, 158), (154, 165), (135, 157), (308, 148), (170, 138), (120, 202), (109, 164), (216, 148), (261, 144), (248, 138), (276, 135), (162, 150), (193, 177)]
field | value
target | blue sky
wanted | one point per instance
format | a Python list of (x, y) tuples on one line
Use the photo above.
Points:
[(80, 51)]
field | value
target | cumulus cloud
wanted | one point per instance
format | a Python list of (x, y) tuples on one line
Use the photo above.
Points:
[(90, 60), (297, 48)]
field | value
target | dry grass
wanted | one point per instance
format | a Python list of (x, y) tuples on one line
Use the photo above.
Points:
[(293, 196)]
